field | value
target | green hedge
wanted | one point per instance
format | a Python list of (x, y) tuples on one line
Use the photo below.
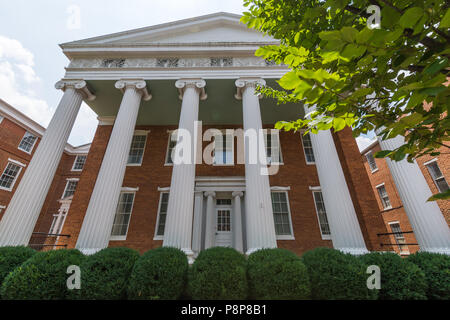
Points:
[(277, 274), (218, 274), (437, 273), (105, 274), (42, 277), (12, 257), (159, 274), (400, 279), (336, 276)]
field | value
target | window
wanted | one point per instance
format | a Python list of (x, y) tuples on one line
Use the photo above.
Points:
[(322, 215), (9, 176), (57, 223), (281, 215), (1, 118), (384, 197), (308, 149), (27, 142), (122, 217), (223, 202), (273, 149), (79, 162), (171, 146), (371, 161), (137, 149), (223, 149), (162, 214), (71, 185), (437, 176), (399, 237)]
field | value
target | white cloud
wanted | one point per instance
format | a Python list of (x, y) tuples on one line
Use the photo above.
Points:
[(19, 83), (363, 142)]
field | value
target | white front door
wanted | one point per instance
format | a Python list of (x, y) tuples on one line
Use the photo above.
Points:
[(224, 235)]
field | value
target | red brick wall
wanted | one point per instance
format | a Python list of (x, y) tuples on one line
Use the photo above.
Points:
[(152, 174)]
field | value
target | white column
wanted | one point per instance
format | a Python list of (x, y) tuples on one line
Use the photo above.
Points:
[(97, 224), (25, 206), (198, 219), (178, 230), (344, 225), (211, 219), (258, 204), (237, 221), (428, 223)]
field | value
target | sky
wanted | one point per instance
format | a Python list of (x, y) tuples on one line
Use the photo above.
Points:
[(31, 61)]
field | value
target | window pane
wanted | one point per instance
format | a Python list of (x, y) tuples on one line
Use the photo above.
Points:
[(171, 146), (437, 176), (123, 214), (307, 146), (162, 214), (371, 161), (27, 142), (321, 213), (79, 162), (272, 143), (399, 237), (223, 148), (137, 149), (384, 197), (70, 188), (9, 175), (281, 213)]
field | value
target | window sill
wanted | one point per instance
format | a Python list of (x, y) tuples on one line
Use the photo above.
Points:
[(223, 164), (6, 189), (285, 237), (168, 164), (310, 163), (117, 238), (158, 238), (373, 171), (134, 164), (326, 237), (404, 253), (28, 152), (76, 170)]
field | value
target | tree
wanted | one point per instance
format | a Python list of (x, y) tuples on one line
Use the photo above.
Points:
[(392, 77)]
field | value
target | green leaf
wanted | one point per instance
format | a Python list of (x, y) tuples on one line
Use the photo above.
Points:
[(440, 196), (349, 34), (382, 154), (445, 22), (330, 35), (290, 80), (436, 66), (338, 124), (410, 17)]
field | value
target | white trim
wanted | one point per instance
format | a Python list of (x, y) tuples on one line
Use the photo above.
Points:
[(17, 162), (15, 178), (379, 185), (106, 120), (1, 118), (125, 190), (67, 184), (278, 188), (32, 146), (75, 161), (2, 207), (323, 236), (140, 133), (430, 161), (291, 227), (163, 189)]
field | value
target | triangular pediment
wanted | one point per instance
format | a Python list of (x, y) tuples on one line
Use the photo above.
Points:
[(214, 28)]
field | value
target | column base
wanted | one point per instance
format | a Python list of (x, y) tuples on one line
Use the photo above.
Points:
[(190, 254), (250, 251), (89, 251), (436, 250), (354, 251)]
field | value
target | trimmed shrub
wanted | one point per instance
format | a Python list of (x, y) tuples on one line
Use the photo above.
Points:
[(41, 277), (400, 279), (105, 274), (437, 273), (336, 276), (159, 274), (218, 274), (277, 274), (12, 257)]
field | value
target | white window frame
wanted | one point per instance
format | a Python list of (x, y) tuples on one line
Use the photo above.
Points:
[(368, 162), (319, 189), (124, 190), (291, 227), (304, 151), (17, 163), (75, 161), (1, 118), (139, 133), (2, 208), (431, 174), (400, 246), (225, 132), (166, 163), (266, 133), (32, 146), (67, 184), (156, 236), (381, 199)]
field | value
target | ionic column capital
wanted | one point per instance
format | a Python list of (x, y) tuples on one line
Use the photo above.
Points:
[(210, 194), (243, 83), (138, 84), (198, 84), (78, 85), (237, 194)]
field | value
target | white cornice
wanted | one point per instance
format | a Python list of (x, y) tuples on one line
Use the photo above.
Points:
[(370, 146), (32, 126)]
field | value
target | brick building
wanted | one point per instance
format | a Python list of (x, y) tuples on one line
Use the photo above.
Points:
[(162, 92), (20, 137), (436, 171)]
